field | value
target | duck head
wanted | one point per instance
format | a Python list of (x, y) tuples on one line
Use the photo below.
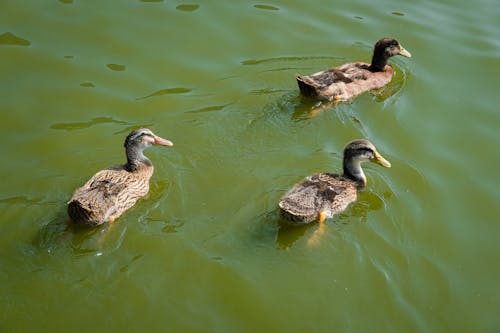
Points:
[(357, 152), (137, 141), (383, 50)]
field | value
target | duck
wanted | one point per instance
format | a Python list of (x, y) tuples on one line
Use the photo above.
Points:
[(349, 80), (110, 192), (323, 195)]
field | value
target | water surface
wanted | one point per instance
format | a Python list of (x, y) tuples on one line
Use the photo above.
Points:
[(205, 251)]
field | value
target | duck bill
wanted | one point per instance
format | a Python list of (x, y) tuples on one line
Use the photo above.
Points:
[(381, 160), (162, 142), (404, 52)]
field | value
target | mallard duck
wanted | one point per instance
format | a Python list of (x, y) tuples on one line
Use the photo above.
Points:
[(112, 191), (323, 195), (351, 79)]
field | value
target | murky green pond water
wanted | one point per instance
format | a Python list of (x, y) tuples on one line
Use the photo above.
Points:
[(204, 252)]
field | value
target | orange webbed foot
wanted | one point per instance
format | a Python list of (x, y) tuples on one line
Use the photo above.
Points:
[(315, 238), (336, 99), (321, 218)]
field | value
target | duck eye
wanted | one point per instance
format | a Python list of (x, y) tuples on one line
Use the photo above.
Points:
[(369, 153)]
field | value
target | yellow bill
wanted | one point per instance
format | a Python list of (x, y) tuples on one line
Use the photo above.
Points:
[(404, 52), (379, 159)]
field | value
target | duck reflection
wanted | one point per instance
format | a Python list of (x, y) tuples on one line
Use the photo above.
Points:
[(288, 234), (62, 234)]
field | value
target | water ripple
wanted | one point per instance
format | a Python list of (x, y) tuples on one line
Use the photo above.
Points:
[(266, 7), (168, 91), (209, 108), (250, 62), (80, 125), (9, 38), (116, 67), (21, 200), (87, 84), (266, 91), (187, 8)]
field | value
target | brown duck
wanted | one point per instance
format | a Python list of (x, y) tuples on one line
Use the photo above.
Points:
[(112, 191), (351, 79), (325, 194)]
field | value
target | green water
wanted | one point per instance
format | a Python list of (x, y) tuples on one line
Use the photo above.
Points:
[(204, 251)]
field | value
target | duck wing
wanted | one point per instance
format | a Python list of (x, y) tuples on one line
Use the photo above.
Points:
[(331, 76), (107, 194), (95, 202), (355, 71), (104, 185), (317, 193), (332, 82), (322, 80)]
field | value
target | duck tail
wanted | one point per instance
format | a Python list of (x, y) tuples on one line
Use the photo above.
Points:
[(305, 88), (79, 214)]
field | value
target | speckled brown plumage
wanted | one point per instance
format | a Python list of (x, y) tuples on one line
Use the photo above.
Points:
[(108, 194), (351, 79), (112, 191), (327, 193)]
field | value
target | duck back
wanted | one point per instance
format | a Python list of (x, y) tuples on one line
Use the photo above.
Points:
[(326, 192), (108, 194), (343, 82)]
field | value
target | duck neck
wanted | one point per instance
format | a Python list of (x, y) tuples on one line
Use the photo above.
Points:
[(379, 60), (354, 172), (136, 159)]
